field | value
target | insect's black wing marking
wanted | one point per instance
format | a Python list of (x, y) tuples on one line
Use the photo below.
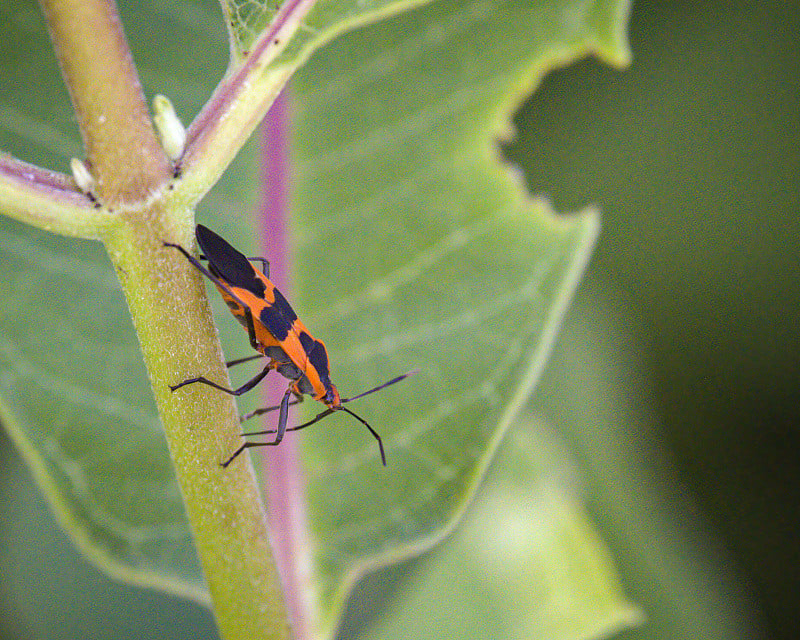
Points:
[(227, 263), (319, 359), (278, 317), (316, 354), (307, 341)]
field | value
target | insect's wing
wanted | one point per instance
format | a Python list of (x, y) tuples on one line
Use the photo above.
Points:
[(282, 322), (229, 264), (276, 323)]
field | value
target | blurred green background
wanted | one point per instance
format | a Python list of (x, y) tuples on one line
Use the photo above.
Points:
[(687, 320), (693, 155)]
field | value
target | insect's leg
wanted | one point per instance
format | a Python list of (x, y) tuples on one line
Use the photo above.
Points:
[(194, 261), (283, 416), (264, 264), (237, 452), (279, 432), (234, 392), (233, 363), (251, 332), (261, 412), (246, 445)]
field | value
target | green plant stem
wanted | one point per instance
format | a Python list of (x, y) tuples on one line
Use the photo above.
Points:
[(240, 101), (125, 157), (171, 315), (169, 308)]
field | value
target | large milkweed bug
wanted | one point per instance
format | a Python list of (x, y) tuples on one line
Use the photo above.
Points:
[(275, 332)]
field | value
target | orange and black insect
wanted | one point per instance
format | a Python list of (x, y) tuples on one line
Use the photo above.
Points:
[(275, 332)]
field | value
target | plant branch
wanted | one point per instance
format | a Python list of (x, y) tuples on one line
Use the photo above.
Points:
[(171, 315), (239, 103), (125, 157), (47, 200)]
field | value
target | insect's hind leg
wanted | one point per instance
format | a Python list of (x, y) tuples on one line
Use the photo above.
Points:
[(279, 432), (264, 264), (233, 363), (251, 331)]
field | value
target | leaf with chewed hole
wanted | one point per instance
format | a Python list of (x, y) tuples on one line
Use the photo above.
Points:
[(415, 247)]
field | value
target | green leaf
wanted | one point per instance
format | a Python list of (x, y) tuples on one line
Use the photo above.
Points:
[(525, 563), (415, 248), (247, 20), (668, 557), (439, 261), (75, 399)]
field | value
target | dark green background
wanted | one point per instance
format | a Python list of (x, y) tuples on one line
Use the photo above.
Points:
[(692, 154)]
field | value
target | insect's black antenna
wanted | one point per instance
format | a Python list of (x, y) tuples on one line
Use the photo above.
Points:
[(259, 412), (371, 430), (379, 387), (319, 417)]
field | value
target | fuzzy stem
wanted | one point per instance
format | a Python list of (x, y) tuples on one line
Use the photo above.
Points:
[(170, 311), (48, 200)]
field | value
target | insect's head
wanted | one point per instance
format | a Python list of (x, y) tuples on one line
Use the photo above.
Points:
[(331, 397)]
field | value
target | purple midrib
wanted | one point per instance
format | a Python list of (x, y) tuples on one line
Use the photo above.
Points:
[(286, 508)]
